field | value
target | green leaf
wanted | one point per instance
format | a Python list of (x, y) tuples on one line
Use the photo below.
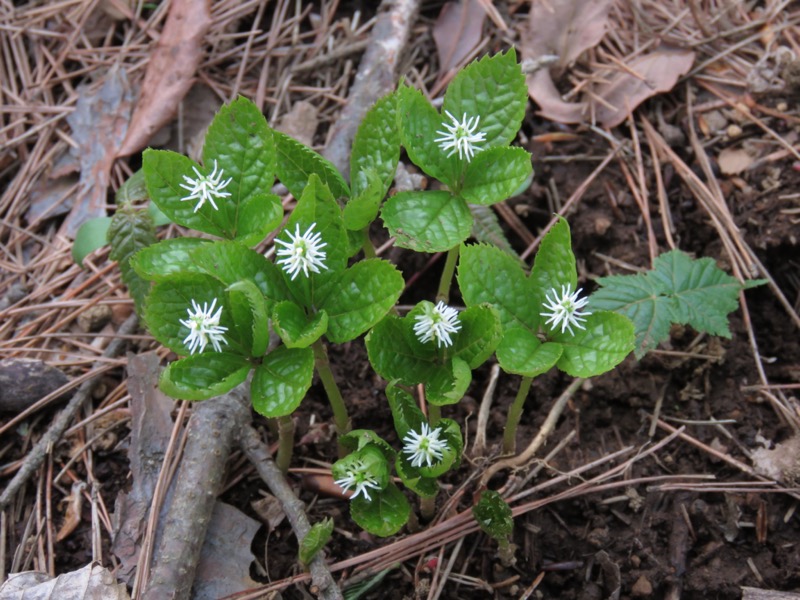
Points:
[(396, 354), (132, 190), (166, 258), (91, 236), (417, 122), (376, 147), (427, 221), (295, 327), (449, 384), (522, 353), (479, 336), (360, 298), (495, 174), (363, 207), (250, 312), (159, 218), (258, 215), (170, 301), (493, 88), (384, 515), (607, 339), (451, 456), (355, 590), (315, 540), (281, 381), (297, 162), (679, 289), (424, 487), (487, 274), (203, 376), (359, 439), (406, 414), (554, 265), (131, 230), (486, 228), (494, 516)]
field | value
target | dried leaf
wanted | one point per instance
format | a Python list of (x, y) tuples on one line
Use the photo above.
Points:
[(565, 28), (72, 518), (733, 161), (99, 124), (457, 32), (300, 122), (170, 71), (657, 72), (543, 91), (92, 581)]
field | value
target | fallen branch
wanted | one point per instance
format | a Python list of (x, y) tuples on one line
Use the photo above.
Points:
[(258, 454)]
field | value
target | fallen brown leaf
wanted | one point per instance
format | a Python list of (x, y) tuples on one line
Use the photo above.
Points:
[(543, 91), (92, 581), (72, 518), (170, 72), (733, 161), (457, 31)]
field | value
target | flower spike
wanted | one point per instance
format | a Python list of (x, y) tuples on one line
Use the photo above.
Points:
[(461, 137), (565, 309), (424, 446), (359, 478), (204, 327), (206, 187), (437, 322), (302, 252)]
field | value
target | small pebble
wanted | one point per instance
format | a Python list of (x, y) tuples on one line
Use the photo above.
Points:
[(734, 131), (642, 588)]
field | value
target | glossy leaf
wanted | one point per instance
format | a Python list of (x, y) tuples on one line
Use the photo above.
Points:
[(166, 258), (315, 540), (607, 339), (297, 162), (281, 381), (449, 384), (384, 515), (495, 174), (479, 336), (203, 376), (90, 236), (494, 516), (554, 265), (522, 353), (295, 328), (250, 312), (363, 207), (427, 221), (376, 146)]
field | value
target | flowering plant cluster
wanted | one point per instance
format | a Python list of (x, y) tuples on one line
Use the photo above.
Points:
[(231, 311)]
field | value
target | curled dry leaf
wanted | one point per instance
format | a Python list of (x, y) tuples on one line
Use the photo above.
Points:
[(92, 581), (170, 71), (457, 32)]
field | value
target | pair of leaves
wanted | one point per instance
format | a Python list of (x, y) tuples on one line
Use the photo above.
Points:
[(488, 275)]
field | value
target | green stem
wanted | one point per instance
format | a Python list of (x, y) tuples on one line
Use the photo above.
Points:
[(447, 274), (434, 414), (366, 246), (285, 443), (340, 417), (427, 508), (514, 415)]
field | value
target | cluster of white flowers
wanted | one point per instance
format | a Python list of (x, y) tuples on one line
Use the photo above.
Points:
[(204, 327), (358, 477), (461, 136), (437, 322), (302, 252), (424, 446), (205, 187), (564, 310)]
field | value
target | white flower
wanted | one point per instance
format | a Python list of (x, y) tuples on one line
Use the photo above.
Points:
[(204, 327), (437, 322), (461, 137), (302, 252), (565, 309), (206, 187), (359, 478), (424, 446)]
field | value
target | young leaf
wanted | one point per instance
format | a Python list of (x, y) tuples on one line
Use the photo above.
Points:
[(406, 414), (295, 328), (449, 383), (315, 540), (297, 162), (363, 207), (166, 258), (495, 174), (479, 336), (203, 376), (522, 353), (678, 289), (384, 515), (606, 340), (376, 146), (249, 308), (281, 381), (494, 516), (360, 298), (396, 354), (132, 190), (359, 439), (427, 221), (91, 236), (450, 432), (424, 487), (493, 88), (131, 230), (554, 265)]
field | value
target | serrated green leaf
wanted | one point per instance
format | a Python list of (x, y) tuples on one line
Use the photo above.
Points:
[(396, 354), (522, 353), (493, 88), (93, 234), (132, 190), (170, 301), (679, 289), (495, 174), (406, 414), (376, 146), (360, 298), (487, 274), (450, 433), (281, 381), (360, 439), (424, 487), (203, 376), (297, 162), (486, 228), (494, 516), (607, 339), (480, 334), (166, 258), (384, 515), (554, 265), (259, 214), (131, 230), (250, 312), (295, 327), (363, 207), (427, 221), (449, 384), (319, 535)]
